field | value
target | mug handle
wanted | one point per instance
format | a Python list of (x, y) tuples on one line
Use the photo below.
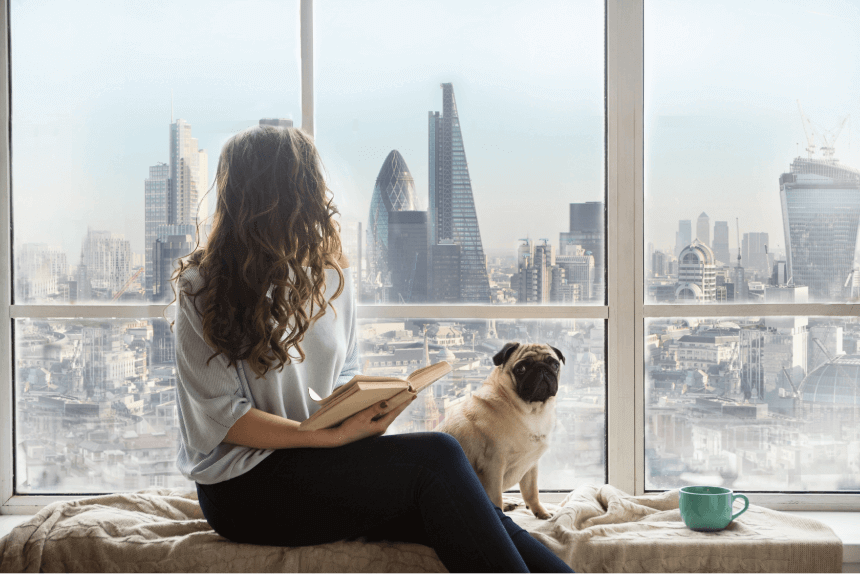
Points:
[(746, 504)]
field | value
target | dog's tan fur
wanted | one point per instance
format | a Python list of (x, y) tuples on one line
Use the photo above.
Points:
[(502, 435)]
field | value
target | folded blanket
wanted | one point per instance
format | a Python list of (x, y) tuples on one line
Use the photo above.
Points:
[(595, 529)]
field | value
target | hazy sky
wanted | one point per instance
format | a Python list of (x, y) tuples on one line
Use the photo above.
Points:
[(91, 111), (92, 84), (722, 80)]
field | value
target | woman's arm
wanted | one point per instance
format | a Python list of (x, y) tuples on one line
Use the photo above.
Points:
[(259, 429)]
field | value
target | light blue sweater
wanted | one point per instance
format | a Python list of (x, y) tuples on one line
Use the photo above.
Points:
[(211, 398)]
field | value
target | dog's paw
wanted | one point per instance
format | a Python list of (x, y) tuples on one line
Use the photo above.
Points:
[(542, 513), (509, 503)]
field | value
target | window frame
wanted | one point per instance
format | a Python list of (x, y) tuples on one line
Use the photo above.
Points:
[(624, 311)]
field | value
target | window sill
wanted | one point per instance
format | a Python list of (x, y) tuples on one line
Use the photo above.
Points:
[(844, 524)]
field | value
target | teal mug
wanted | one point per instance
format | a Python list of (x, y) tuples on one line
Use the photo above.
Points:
[(708, 508)]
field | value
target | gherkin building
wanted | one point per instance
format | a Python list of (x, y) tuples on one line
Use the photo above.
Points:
[(394, 191)]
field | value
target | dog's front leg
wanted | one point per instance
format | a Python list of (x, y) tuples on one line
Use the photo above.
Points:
[(529, 490), (491, 479)]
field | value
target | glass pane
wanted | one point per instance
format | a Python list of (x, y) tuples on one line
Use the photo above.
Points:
[(465, 147), (96, 406), (752, 186), (96, 399), (577, 452), (753, 404), (116, 133)]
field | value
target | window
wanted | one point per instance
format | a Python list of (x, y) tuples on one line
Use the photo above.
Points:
[(751, 204), (536, 172)]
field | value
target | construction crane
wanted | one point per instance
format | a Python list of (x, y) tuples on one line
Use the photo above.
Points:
[(127, 283), (808, 130), (828, 137)]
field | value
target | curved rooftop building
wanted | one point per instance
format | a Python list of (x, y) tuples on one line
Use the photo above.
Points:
[(836, 382), (394, 191), (697, 274), (820, 201)]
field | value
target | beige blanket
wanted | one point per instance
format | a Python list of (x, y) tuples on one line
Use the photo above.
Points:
[(594, 530)]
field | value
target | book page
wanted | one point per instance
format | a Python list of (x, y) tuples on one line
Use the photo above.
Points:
[(422, 378)]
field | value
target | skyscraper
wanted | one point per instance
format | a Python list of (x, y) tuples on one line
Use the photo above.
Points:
[(107, 257), (188, 177), (407, 256), (684, 236), (721, 242), (754, 251), (452, 218), (703, 229), (586, 230), (155, 200), (394, 191), (174, 196), (821, 212)]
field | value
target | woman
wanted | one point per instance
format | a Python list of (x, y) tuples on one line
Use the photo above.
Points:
[(266, 312)]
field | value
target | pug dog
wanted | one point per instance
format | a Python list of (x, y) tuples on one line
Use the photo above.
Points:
[(504, 426)]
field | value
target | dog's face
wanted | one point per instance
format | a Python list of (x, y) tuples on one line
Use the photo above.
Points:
[(533, 369)]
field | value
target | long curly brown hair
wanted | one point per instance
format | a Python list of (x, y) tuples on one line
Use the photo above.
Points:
[(273, 228)]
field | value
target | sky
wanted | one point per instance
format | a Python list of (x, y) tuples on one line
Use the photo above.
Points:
[(90, 111)]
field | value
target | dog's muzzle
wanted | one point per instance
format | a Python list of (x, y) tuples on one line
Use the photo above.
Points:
[(537, 384)]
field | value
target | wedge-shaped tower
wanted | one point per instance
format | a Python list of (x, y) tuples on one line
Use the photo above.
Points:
[(452, 219)]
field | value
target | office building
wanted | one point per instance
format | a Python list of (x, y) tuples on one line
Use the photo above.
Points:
[(697, 281), (755, 252), (703, 229), (189, 169), (452, 218), (445, 272), (107, 258), (721, 242), (407, 256), (820, 201), (684, 235), (587, 231), (155, 201)]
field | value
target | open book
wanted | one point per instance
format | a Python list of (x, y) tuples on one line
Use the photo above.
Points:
[(362, 391)]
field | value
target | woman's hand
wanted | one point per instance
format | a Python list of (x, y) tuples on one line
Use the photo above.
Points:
[(365, 423)]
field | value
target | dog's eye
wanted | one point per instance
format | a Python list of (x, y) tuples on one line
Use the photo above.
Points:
[(555, 367), (521, 369)]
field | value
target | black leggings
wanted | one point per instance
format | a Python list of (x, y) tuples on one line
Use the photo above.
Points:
[(416, 487)]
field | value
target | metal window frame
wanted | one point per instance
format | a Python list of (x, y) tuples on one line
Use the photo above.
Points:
[(625, 312)]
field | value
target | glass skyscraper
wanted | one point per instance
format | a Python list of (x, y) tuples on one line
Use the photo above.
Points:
[(452, 218), (394, 191), (820, 214)]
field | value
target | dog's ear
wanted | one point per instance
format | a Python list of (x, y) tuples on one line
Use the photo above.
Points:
[(558, 354), (505, 353)]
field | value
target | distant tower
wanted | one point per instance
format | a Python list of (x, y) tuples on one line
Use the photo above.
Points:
[(703, 229), (452, 218), (188, 177), (277, 122), (155, 198), (684, 235), (586, 230), (721, 242)]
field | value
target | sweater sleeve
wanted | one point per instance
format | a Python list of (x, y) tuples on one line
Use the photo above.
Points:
[(210, 396), (352, 364)]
